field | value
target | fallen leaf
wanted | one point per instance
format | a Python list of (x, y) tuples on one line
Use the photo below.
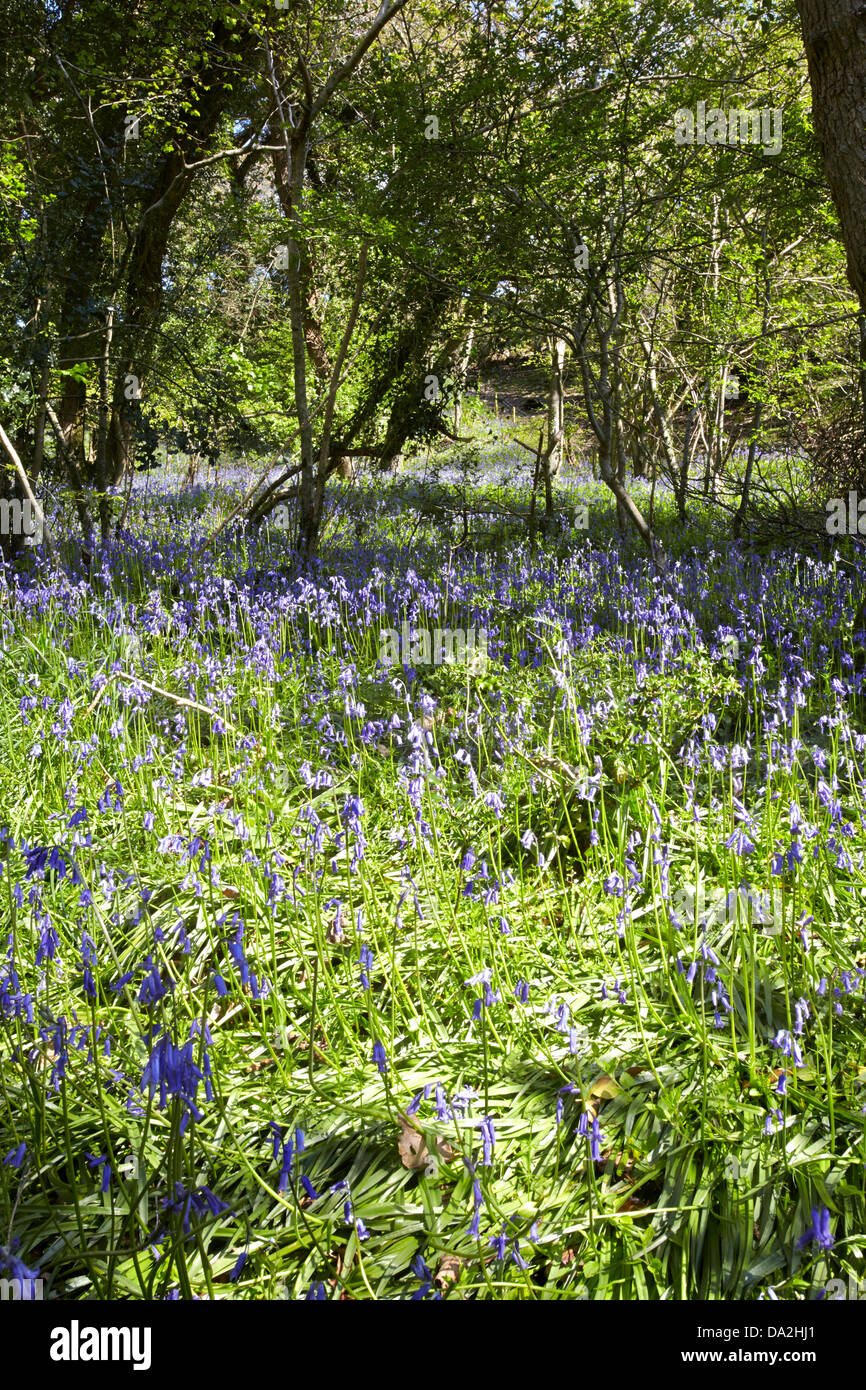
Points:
[(413, 1148), (632, 1204), (448, 1271), (605, 1088)]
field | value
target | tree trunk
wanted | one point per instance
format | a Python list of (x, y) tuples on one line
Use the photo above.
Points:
[(101, 471), (555, 407), (834, 37)]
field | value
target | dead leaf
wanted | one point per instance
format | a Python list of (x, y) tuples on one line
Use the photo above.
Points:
[(413, 1148), (448, 1271), (605, 1088), (632, 1204)]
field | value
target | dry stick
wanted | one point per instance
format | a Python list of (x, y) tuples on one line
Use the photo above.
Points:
[(100, 694), (177, 699), (236, 511), (40, 515)]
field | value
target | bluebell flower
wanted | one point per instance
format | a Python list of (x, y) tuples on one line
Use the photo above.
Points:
[(17, 1269), (596, 1141), (423, 1272), (379, 1057), (739, 842), (88, 961), (366, 963), (100, 1162), (286, 1165), (277, 1137), (819, 1231), (478, 1203), (152, 989), (172, 1072), (488, 1137), (517, 1257), (500, 1243), (440, 1102), (483, 977), (789, 1047)]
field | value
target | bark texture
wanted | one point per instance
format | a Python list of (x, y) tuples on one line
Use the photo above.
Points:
[(834, 36)]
